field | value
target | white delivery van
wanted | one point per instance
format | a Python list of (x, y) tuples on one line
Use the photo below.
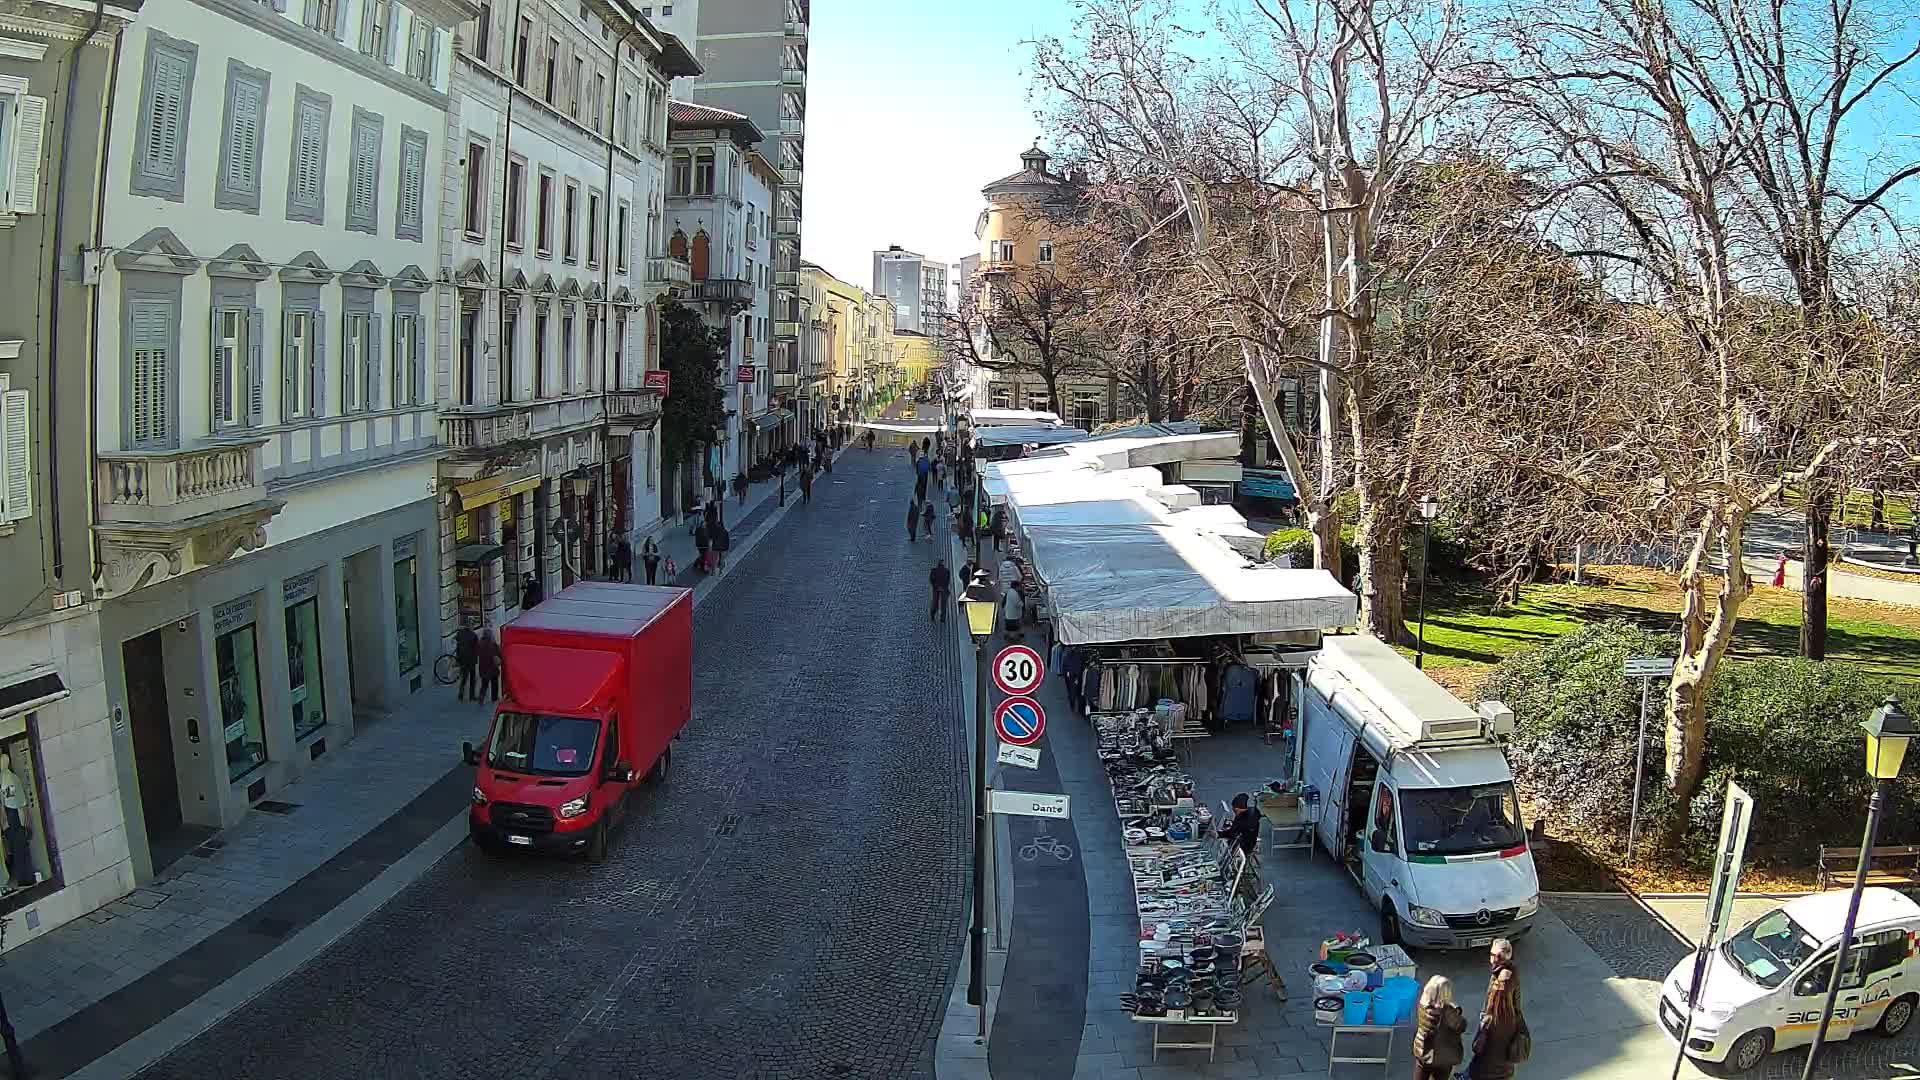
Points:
[(1765, 986), (1416, 798)]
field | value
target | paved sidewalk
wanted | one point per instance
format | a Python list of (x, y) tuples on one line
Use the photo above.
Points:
[(184, 949)]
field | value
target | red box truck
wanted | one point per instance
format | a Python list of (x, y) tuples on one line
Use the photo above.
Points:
[(598, 681)]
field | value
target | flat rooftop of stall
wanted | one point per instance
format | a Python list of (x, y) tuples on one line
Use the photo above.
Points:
[(1126, 556)]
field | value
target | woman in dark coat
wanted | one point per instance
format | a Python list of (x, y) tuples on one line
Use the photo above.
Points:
[(1436, 1038), (1495, 1053)]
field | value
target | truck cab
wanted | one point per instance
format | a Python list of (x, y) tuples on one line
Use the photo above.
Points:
[(1765, 987), (1418, 801), (597, 684)]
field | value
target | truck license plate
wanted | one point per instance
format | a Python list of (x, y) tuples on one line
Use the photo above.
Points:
[(516, 838)]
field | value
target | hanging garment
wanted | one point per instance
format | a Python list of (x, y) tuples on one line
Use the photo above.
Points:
[(1239, 693)]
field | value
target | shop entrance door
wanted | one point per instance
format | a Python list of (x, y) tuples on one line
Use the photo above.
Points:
[(143, 660)]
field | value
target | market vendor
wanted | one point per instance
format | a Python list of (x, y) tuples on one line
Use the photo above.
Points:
[(1013, 607), (1244, 829)]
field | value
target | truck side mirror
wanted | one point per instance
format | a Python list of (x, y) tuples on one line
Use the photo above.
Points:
[(620, 773), (1380, 840), (469, 754)]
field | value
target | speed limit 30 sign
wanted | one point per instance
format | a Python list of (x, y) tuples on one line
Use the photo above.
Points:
[(1018, 670)]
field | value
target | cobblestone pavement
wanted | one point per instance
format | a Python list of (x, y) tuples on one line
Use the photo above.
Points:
[(1641, 948), (789, 904)]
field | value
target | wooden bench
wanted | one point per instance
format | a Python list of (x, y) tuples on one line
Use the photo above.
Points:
[(1837, 865)]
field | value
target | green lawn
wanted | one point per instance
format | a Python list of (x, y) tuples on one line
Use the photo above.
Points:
[(1463, 628), (1899, 507)]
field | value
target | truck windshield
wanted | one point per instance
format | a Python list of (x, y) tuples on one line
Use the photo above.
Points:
[(1460, 821), (1770, 948), (550, 745)]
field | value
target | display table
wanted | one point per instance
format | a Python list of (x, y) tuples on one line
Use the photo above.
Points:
[(1291, 826), (1179, 1040), (1382, 1058)]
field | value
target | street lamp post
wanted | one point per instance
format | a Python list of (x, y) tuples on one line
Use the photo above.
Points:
[(979, 606), (1429, 509), (1888, 730)]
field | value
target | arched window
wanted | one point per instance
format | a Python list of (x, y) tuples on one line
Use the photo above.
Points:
[(677, 247), (682, 173), (699, 257)]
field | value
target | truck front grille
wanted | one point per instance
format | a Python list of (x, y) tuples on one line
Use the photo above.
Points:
[(521, 817)]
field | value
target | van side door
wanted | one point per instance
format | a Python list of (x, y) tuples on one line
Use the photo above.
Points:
[(612, 792), (1380, 847), (1809, 996)]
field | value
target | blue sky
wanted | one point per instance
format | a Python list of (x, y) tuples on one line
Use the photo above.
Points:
[(913, 106)]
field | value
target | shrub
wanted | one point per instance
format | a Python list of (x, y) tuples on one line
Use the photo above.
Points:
[(1297, 543), (1786, 730)]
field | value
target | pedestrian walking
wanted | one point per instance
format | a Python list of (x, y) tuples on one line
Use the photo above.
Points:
[(487, 652), (1502, 1042), (926, 519), (740, 485), (926, 446), (920, 487), (806, 486), (999, 527), (623, 561), (466, 653), (1439, 1025), (941, 580), (703, 543), (1013, 608), (722, 543), (650, 559), (1780, 572), (913, 521), (530, 592)]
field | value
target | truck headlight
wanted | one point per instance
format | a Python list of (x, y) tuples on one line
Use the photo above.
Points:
[(1527, 907), (479, 797), (573, 807), (1719, 1014), (1425, 916)]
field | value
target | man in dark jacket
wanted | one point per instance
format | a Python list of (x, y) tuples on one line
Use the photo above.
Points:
[(941, 580), (489, 655), (806, 486), (530, 592), (1244, 829), (466, 653)]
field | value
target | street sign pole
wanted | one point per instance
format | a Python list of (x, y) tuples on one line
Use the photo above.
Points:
[(1728, 856), (1647, 669)]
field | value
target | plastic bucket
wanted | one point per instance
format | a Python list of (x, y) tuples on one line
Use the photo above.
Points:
[(1356, 1005), (1394, 1001), (1387, 1009)]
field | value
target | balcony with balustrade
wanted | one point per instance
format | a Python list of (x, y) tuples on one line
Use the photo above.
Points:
[(632, 410), (665, 271), (735, 293), (162, 513)]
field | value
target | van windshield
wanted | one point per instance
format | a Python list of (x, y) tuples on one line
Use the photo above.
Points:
[(1460, 821), (1770, 948), (548, 745)]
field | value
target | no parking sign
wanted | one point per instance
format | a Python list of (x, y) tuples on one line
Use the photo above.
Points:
[(1020, 721)]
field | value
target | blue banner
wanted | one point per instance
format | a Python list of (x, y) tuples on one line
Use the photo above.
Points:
[(1266, 484)]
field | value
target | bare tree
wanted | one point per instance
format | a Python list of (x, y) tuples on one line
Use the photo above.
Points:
[(1731, 391)]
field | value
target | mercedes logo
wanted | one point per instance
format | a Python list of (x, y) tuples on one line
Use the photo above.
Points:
[(1483, 916)]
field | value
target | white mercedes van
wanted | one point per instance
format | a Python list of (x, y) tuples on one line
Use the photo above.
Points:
[(1765, 985)]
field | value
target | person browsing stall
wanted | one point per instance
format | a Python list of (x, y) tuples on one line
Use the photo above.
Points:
[(1244, 829)]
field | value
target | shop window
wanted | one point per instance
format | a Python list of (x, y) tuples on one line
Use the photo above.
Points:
[(305, 686), (25, 832), (406, 612), (510, 551), (236, 660)]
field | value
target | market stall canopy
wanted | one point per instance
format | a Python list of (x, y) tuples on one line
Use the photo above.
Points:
[(1125, 556), (772, 418), (1026, 436), (1014, 417)]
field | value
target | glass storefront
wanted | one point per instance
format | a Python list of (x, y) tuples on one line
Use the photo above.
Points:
[(306, 689), (510, 551), (406, 608), (237, 665), (24, 836)]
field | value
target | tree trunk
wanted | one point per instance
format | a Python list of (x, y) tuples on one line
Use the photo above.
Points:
[(1379, 534), (1813, 575), (1705, 632), (1324, 522)]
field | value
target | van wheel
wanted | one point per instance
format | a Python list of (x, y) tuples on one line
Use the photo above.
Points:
[(1749, 1051), (661, 765), (488, 844), (597, 844), (1389, 925), (1898, 1015)]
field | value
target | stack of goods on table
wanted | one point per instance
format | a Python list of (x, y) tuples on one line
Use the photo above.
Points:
[(1191, 936), (1357, 983)]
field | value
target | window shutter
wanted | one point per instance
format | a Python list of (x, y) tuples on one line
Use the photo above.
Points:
[(30, 127), (371, 393), (256, 367), (419, 365), (147, 397), (223, 373), (16, 465), (317, 371), (289, 367), (243, 142), (366, 151), (413, 168), (166, 106), (307, 170)]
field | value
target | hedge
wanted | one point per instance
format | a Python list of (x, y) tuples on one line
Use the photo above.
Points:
[(1787, 730)]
